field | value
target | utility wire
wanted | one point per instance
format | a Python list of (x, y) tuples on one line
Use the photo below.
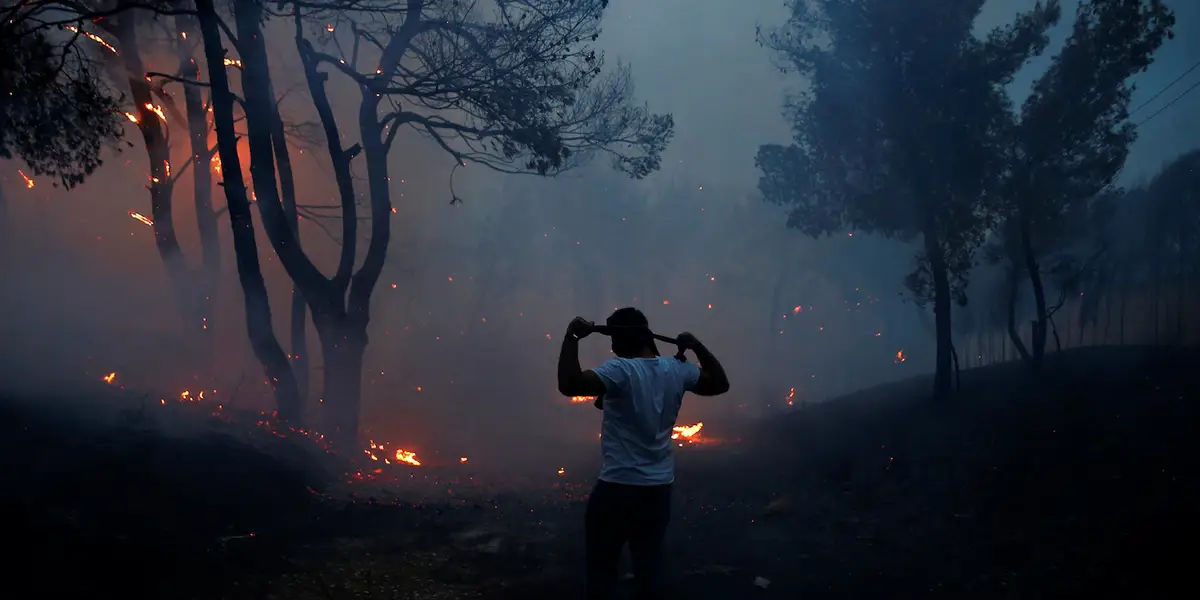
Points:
[(1169, 104), (1164, 90)]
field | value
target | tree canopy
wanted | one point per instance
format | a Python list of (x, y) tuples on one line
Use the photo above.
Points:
[(56, 111)]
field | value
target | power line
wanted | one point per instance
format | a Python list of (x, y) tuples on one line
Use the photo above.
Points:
[(1169, 104), (1164, 90)]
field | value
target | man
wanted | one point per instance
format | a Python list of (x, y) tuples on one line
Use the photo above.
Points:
[(640, 393)]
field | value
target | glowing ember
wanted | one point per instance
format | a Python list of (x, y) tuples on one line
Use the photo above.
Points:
[(94, 38), (329, 28), (216, 163), (28, 182), (687, 431), (791, 396), (577, 399), (462, 459), (141, 217), (110, 377), (900, 357), (157, 110), (403, 456), (561, 471), (132, 117), (233, 62)]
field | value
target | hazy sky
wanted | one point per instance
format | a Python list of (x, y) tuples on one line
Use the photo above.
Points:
[(699, 59)]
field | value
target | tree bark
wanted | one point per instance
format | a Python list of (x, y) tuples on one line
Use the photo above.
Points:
[(257, 304), (941, 312), (206, 218), (287, 191), (160, 184), (1033, 269), (1013, 333)]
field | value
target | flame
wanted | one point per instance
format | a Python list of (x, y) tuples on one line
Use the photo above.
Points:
[(329, 28), (167, 167), (110, 377), (157, 110), (577, 399), (132, 117), (401, 455), (686, 431), (900, 357), (233, 62), (141, 217), (94, 38), (216, 163), (28, 182), (561, 471), (462, 459)]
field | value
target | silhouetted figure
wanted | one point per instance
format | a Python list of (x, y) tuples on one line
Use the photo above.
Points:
[(640, 393)]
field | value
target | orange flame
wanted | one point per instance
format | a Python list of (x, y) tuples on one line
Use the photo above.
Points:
[(578, 399), (142, 218), (132, 117), (110, 377), (94, 38), (900, 357), (401, 455), (157, 110), (28, 182), (233, 62), (686, 431)]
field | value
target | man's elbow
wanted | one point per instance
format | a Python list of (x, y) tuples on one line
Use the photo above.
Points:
[(569, 387)]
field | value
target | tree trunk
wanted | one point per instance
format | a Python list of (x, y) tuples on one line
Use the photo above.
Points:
[(342, 348), (206, 218), (1125, 299), (160, 183), (941, 312), (257, 304), (1013, 333), (287, 192), (1033, 269), (3, 214)]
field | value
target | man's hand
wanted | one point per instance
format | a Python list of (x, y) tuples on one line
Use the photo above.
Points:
[(687, 341), (580, 328)]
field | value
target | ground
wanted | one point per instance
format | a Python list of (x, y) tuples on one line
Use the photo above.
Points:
[(1081, 484)]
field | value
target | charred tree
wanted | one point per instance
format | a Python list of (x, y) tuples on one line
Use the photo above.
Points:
[(508, 88), (257, 304)]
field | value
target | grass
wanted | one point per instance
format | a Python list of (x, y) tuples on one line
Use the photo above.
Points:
[(1080, 484)]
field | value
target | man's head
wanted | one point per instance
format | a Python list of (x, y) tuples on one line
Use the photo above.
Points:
[(633, 339)]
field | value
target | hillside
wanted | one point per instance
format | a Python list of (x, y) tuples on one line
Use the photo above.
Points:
[(1081, 484)]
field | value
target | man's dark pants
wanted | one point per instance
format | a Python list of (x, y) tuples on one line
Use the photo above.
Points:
[(618, 514)]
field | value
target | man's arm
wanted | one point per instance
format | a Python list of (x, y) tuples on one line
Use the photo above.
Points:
[(712, 380), (572, 379)]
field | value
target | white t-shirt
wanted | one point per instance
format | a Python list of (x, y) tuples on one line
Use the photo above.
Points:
[(640, 408)]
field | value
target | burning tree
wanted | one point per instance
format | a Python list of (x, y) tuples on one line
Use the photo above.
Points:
[(156, 115), (1071, 139), (518, 90), (56, 113), (898, 131)]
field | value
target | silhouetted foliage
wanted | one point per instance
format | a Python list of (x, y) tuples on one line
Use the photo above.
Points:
[(56, 114), (1071, 139), (898, 131)]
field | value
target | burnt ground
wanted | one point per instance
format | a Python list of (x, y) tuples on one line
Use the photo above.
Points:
[(1084, 484)]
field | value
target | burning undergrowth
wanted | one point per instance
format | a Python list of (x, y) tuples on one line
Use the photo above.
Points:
[(380, 471)]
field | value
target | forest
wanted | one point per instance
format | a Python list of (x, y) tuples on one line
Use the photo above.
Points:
[(320, 255)]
